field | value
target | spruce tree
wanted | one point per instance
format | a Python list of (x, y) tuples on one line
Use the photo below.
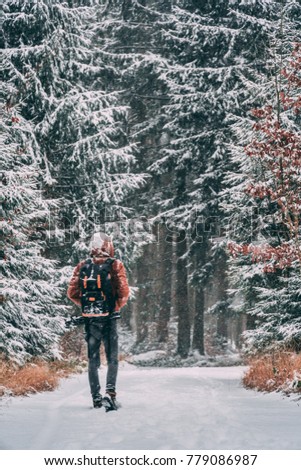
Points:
[(274, 186), (31, 318), (213, 52), (80, 124), (130, 36)]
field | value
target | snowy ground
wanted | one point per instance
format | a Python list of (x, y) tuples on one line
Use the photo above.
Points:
[(188, 408)]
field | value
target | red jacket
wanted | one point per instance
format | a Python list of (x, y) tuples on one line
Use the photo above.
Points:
[(119, 280)]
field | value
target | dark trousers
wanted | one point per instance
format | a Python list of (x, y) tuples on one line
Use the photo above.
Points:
[(97, 333)]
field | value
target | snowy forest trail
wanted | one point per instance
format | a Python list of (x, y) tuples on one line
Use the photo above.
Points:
[(190, 408)]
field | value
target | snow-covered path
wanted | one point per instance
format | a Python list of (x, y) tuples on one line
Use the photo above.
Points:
[(191, 408)]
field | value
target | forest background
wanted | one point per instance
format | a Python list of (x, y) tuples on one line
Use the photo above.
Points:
[(173, 126)]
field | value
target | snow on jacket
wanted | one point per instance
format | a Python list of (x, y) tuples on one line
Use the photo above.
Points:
[(119, 280)]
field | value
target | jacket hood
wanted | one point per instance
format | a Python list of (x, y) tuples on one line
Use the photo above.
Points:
[(101, 245)]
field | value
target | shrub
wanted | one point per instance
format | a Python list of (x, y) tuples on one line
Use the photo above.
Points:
[(275, 372)]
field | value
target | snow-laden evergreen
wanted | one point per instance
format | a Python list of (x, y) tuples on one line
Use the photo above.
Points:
[(277, 313), (214, 53), (79, 122), (270, 295), (129, 37), (30, 320)]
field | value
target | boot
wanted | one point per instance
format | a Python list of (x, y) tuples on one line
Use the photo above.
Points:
[(97, 401), (109, 401)]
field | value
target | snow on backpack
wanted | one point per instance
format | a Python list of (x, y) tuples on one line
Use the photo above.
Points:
[(96, 289)]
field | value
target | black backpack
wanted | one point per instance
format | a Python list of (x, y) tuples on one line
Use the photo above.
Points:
[(96, 289)]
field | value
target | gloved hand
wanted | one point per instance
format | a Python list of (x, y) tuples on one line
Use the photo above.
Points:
[(74, 321), (115, 315)]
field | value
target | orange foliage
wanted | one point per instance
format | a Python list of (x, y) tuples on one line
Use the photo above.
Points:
[(274, 372), (32, 378)]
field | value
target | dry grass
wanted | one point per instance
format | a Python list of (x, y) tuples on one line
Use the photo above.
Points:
[(32, 377), (275, 372), (39, 376)]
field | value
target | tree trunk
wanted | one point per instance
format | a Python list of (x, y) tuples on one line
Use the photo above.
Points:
[(181, 294), (164, 263), (199, 251), (198, 327), (222, 286), (141, 306)]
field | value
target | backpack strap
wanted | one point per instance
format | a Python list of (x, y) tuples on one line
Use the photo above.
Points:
[(87, 265), (85, 271), (108, 263)]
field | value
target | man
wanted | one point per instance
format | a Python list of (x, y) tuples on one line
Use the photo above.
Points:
[(101, 312)]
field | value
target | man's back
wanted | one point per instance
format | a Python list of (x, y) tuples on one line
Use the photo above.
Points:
[(100, 253)]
